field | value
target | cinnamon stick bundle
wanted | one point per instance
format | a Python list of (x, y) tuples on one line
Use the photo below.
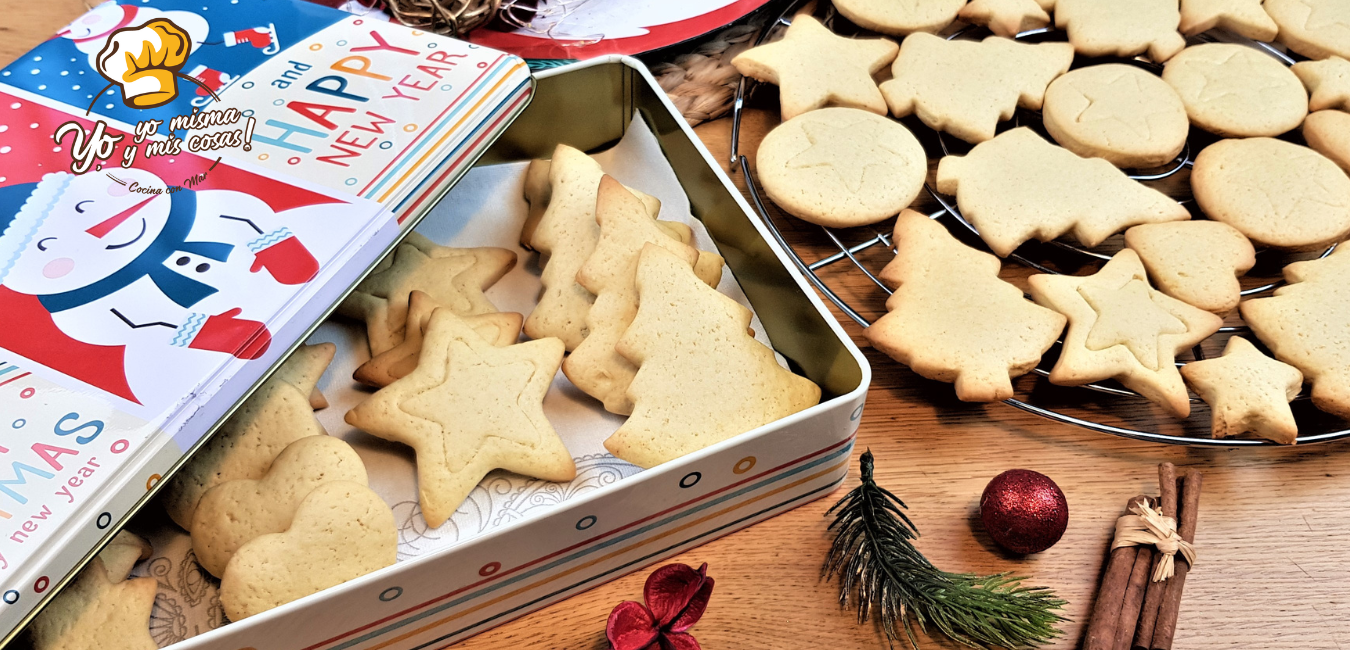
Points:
[(1189, 513), (1102, 628), (1153, 596)]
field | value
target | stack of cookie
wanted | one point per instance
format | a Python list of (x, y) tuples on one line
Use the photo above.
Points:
[(838, 162), (468, 398), (270, 498)]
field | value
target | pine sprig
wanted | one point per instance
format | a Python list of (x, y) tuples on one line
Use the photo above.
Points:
[(879, 569)]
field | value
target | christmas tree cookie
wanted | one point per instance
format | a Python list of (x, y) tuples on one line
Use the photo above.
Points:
[(952, 319), (1018, 186), (967, 87), (1121, 328), (1304, 324), (701, 377), (625, 227), (1115, 28)]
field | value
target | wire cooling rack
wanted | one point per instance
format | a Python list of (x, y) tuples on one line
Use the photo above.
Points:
[(855, 243)]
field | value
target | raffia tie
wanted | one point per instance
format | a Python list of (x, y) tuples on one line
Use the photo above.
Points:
[(1148, 527)]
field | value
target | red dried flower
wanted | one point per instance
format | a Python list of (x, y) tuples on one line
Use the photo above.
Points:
[(676, 597)]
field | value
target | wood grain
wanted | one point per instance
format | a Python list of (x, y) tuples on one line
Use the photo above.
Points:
[(1273, 564)]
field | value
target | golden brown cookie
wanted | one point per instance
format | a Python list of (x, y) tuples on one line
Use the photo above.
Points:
[(701, 377), (1304, 324), (814, 68), (841, 167), (1121, 328), (341, 531), (469, 408), (1237, 91), (1328, 133), (900, 17), (952, 319), (1247, 392), (1316, 29), (1116, 28), (96, 613), (1276, 193), (1018, 187), (498, 328), (1116, 112), (1196, 262), (1328, 83), (1242, 17), (967, 87), (275, 415), (1008, 17)]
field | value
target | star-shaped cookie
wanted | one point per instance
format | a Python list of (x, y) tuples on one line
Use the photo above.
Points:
[(1121, 328), (701, 377), (1316, 29), (454, 278), (1327, 81), (967, 87), (952, 319), (1008, 17), (1242, 17), (813, 68), (1247, 392), (1115, 28), (469, 408), (1304, 324), (96, 612), (1018, 187), (498, 328)]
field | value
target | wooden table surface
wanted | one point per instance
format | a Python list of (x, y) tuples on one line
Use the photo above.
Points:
[(1273, 569)]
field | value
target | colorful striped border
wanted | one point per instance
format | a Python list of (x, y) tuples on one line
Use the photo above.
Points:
[(736, 496), (485, 130), (464, 108)]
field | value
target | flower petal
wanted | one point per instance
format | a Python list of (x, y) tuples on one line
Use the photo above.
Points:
[(630, 627), (670, 588), (678, 641), (694, 610)]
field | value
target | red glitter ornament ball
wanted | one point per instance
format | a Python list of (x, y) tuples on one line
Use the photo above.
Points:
[(1024, 511)]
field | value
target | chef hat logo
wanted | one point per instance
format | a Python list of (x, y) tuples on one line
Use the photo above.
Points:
[(144, 61)]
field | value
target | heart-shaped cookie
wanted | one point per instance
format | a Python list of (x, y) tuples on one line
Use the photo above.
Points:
[(340, 532), (235, 512)]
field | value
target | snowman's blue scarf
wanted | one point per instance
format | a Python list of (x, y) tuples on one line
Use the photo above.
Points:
[(153, 263)]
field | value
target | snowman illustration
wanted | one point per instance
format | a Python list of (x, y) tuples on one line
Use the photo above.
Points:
[(90, 31), (141, 295)]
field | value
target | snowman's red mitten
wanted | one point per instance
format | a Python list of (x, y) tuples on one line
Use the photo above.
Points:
[(246, 339), (282, 254)]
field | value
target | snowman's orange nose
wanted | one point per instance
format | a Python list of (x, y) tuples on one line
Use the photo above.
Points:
[(106, 226)]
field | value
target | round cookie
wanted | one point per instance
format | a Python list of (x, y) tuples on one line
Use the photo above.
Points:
[(900, 18), (1328, 133), (1237, 91), (1278, 194), (1118, 112), (1316, 29), (841, 167)]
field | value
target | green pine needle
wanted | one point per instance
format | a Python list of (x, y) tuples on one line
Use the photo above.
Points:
[(879, 568)]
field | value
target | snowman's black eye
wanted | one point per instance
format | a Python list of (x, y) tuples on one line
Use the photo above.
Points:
[(203, 268), (182, 261), (79, 207)]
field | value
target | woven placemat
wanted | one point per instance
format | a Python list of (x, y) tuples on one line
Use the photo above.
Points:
[(701, 83)]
